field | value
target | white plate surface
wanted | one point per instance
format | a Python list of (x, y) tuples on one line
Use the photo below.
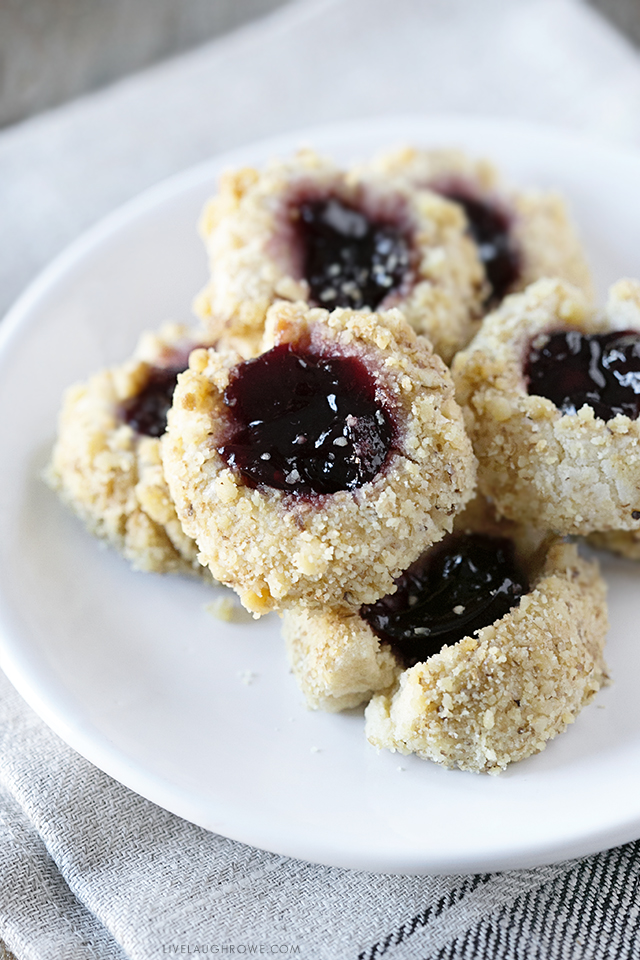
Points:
[(132, 672)]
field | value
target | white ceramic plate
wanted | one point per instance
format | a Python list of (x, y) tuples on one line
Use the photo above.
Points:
[(132, 672)]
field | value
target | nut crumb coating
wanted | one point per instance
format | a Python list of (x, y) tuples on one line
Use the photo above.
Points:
[(493, 699)]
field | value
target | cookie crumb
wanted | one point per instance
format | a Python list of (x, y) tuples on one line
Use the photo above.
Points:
[(247, 677), (228, 609)]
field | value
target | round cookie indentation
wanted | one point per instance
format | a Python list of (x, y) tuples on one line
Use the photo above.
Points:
[(305, 423), (277, 547), (350, 259)]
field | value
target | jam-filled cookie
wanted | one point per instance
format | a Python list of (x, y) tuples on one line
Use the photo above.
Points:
[(521, 235), (304, 230), (320, 469), (551, 391), (502, 647), (340, 656), (106, 460)]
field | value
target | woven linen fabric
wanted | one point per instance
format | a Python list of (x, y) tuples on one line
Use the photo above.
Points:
[(88, 869)]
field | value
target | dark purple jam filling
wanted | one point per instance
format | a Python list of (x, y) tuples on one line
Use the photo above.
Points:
[(490, 229), (467, 582), (306, 423), (348, 259), (147, 412), (601, 369)]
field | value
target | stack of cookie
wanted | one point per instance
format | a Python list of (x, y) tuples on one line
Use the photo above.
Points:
[(307, 449)]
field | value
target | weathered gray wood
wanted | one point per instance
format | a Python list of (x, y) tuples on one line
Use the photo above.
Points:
[(53, 50), (625, 14)]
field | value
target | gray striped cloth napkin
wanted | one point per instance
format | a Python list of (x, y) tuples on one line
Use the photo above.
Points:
[(91, 871)]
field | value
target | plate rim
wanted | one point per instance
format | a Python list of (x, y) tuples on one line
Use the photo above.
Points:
[(16, 323)]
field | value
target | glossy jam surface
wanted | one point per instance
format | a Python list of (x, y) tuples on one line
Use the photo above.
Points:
[(306, 423), (147, 412), (490, 229), (348, 259), (467, 582), (603, 370)]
